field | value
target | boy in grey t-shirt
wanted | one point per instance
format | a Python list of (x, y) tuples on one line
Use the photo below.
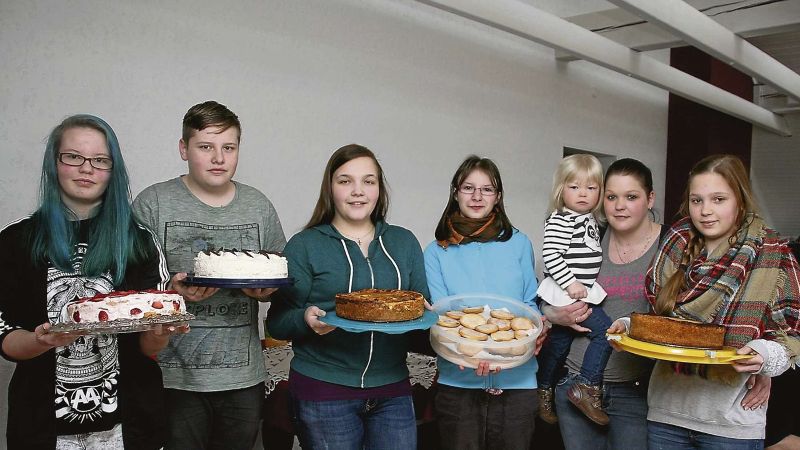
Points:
[(214, 374)]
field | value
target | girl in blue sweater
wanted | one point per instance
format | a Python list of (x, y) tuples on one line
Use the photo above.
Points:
[(477, 250)]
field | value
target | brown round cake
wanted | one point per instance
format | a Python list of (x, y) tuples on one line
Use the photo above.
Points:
[(675, 331), (380, 305)]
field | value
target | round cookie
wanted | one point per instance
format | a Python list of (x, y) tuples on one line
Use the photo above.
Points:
[(487, 328), (502, 324), (455, 314), (522, 334), (447, 322), (449, 335), (501, 336), (502, 351), (521, 323), (519, 350), (468, 349), (473, 335), (473, 309), (472, 320), (500, 314)]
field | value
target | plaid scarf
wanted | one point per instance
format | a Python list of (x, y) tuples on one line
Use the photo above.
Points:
[(464, 230), (752, 287)]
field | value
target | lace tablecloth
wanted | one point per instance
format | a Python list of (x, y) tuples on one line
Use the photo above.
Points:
[(421, 368)]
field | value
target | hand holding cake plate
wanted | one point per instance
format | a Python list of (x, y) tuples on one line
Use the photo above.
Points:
[(237, 283), (121, 325), (674, 339), (122, 312), (391, 311), (236, 269), (726, 355), (427, 320)]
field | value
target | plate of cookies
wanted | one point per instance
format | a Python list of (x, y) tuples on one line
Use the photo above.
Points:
[(485, 327)]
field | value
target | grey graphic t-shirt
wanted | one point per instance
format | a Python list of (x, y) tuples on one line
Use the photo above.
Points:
[(223, 350)]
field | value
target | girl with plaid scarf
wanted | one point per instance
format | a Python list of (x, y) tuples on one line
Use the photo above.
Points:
[(721, 265)]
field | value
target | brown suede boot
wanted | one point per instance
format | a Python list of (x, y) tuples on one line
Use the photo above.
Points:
[(588, 399), (546, 408)]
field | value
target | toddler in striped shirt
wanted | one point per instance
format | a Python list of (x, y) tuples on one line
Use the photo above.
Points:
[(572, 258)]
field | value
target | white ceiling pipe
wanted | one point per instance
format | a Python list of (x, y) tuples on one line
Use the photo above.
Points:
[(745, 19), (704, 33), (552, 31)]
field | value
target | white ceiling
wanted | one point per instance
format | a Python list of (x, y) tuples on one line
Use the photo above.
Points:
[(569, 8), (619, 37)]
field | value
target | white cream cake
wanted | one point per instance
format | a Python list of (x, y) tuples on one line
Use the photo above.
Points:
[(124, 305), (236, 264)]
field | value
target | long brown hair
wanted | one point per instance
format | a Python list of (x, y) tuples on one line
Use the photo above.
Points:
[(732, 170), (488, 167), (325, 209)]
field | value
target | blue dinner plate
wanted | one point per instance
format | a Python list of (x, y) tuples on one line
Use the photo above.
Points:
[(236, 283), (427, 320)]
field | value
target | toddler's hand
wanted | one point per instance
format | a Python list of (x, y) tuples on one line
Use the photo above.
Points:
[(577, 290)]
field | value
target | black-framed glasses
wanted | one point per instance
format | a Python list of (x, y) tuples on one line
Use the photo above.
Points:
[(76, 160), (486, 191)]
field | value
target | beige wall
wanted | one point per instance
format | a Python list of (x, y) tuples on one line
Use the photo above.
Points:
[(421, 87)]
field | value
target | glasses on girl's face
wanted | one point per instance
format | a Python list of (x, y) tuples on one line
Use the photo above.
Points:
[(486, 191), (76, 160)]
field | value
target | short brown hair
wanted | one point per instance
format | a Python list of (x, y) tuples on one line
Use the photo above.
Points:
[(325, 209), (209, 114)]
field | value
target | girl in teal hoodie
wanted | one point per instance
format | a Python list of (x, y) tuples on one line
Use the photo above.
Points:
[(349, 390)]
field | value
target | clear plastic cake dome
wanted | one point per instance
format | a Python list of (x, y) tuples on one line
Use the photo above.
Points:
[(450, 345)]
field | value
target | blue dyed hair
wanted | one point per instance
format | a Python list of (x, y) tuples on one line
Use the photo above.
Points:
[(114, 236)]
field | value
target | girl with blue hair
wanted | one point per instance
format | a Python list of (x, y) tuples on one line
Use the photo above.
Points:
[(99, 391)]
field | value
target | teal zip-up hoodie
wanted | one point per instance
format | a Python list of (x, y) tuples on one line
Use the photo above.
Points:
[(324, 263)]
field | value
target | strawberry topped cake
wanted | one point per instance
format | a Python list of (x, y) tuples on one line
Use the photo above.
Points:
[(124, 305)]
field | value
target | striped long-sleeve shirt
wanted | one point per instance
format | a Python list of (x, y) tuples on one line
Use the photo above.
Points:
[(571, 249)]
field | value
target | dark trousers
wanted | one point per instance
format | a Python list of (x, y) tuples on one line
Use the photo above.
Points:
[(226, 420), (626, 406), (782, 417), (555, 350), (277, 430), (473, 419)]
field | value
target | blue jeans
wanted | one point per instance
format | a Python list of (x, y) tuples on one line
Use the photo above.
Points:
[(669, 437), (214, 420), (372, 424), (556, 349), (626, 406)]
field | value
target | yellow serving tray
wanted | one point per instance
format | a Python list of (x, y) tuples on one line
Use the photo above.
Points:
[(678, 354)]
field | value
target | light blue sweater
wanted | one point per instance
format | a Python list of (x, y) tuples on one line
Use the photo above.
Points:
[(500, 268)]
